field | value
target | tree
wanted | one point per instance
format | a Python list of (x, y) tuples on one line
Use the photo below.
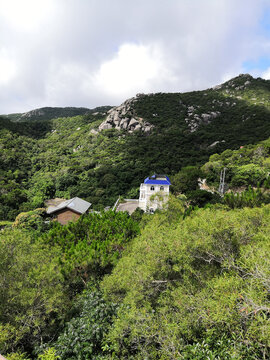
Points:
[(32, 296), (186, 180), (84, 334)]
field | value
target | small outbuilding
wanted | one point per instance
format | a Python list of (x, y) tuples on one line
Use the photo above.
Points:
[(69, 210)]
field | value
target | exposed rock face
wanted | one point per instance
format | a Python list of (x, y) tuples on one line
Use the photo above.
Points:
[(194, 119), (238, 83), (36, 112), (123, 117), (215, 143), (231, 92), (94, 132), (47, 113)]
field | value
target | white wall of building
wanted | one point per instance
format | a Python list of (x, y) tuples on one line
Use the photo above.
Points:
[(147, 191)]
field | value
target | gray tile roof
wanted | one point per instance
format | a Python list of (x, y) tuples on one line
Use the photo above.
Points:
[(76, 204)]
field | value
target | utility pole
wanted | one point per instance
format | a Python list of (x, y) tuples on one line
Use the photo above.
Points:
[(221, 188)]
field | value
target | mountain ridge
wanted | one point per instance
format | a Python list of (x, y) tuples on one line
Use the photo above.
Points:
[(184, 283), (48, 113), (73, 156)]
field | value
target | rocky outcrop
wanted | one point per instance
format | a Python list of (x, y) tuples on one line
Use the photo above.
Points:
[(195, 119), (216, 142), (36, 112), (48, 113), (124, 117), (241, 82)]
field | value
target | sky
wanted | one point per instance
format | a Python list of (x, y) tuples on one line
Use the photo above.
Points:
[(100, 52)]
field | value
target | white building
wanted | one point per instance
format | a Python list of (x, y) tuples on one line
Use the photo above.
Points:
[(154, 192)]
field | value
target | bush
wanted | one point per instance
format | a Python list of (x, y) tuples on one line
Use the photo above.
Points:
[(186, 180), (92, 245), (31, 220), (84, 334), (202, 197), (32, 294), (200, 289), (248, 198)]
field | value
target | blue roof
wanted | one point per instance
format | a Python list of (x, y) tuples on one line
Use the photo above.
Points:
[(162, 180)]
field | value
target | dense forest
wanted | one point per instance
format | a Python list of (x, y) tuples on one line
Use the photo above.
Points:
[(173, 285), (191, 281), (67, 157)]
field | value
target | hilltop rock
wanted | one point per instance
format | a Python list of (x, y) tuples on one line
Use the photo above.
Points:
[(194, 119), (36, 112), (124, 117), (48, 113), (93, 132), (240, 82)]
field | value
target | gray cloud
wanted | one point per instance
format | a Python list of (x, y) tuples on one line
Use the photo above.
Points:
[(97, 52)]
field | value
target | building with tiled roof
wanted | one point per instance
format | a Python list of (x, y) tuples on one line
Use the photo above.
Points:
[(68, 210)]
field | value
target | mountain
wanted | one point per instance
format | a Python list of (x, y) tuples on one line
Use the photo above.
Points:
[(107, 152), (48, 113), (186, 282)]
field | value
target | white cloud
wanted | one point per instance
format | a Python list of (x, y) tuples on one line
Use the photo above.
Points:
[(25, 15), (90, 53), (65, 81), (7, 68), (135, 68), (266, 74)]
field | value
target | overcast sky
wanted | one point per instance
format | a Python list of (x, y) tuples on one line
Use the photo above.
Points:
[(101, 52)]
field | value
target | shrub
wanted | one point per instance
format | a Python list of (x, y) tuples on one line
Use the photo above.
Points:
[(31, 220)]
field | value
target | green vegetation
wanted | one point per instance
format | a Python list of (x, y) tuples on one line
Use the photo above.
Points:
[(84, 333), (48, 113), (200, 289), (41, 274), (186, 287), (247, 174), (91, 246), (5, 224), (64, 157), (191, 281), (32, 294), (249, 165)]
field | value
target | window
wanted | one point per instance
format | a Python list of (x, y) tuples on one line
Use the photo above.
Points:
[(162, 188), (152, 188)]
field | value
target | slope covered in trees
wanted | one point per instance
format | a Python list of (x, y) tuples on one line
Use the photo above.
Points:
[(246, 177), (185, 287), (48, 113), (67, 157), (249, 165), (42, 271), (200, 290), (185, 283)]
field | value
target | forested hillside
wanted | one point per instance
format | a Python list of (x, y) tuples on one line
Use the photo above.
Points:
[(247, 180), (190, 282), (48, 113), (69, 157), (163, 286)]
